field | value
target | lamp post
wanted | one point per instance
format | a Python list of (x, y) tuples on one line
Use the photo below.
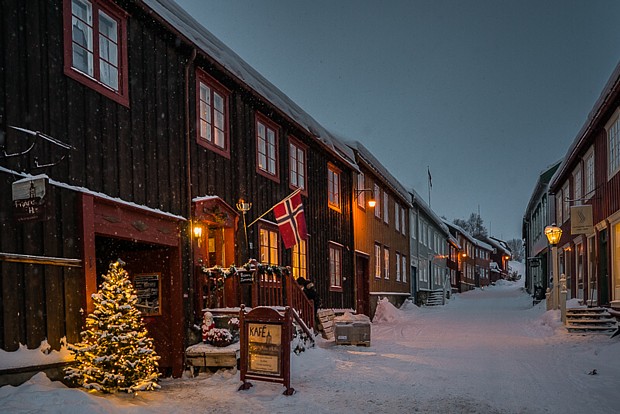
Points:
[(554, 233), (243, 206)]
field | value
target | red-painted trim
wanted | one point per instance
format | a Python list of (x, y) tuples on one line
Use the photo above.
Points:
[(122, 96), (272, 125), (88, 249), (203, 77)]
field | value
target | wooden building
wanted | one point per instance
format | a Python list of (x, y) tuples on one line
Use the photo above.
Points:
[(466, 258), (429, 253), (151, 130), (381, 234), (588, 180), (482, 269), (535, 219), (500, 255)]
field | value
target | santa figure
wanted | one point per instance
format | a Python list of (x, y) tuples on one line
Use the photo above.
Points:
[(207, 324)]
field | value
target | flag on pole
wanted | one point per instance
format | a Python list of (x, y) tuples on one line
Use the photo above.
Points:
[(430, 179), (291, 220)]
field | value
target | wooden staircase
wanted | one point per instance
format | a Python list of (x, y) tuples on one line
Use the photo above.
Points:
[(590, 320), (435, 298)]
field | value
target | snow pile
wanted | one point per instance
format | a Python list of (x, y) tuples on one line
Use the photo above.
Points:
[(386, 312), (349, 317)]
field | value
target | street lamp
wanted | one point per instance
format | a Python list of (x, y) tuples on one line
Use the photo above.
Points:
[(372, 202), (554, 233), (243, 206)]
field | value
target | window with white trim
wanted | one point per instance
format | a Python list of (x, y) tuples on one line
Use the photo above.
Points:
[(613, 144), (396, 216), (333, 187), (335, 266), (212, 114), (589, 166), (559, 209), (300, 259), (378, 201), (269, 244), (577, 186), (404, 268), (377, 260), (297, 164), (565, 203), (266, 148), (386, 262), (386, 208), (361, 195)]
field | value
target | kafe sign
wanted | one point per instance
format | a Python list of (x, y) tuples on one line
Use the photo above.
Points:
[(31, 199)]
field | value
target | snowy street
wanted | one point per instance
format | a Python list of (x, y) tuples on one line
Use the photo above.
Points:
[(486, 351)]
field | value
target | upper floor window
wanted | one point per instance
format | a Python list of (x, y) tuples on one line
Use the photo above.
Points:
[(300, 259), (269, 244), (589, 166), (361, 195), (95, 47), (212, 114), (333, 187), (378, 201), (413, 226), (613, 144), (386, 209), (397, 217), (335, 266), (267, 148), (558, 209), (403, 221), (577, 186), (565, 203), (297, 164)]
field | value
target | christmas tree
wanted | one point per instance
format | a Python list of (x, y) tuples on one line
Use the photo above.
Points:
[(116, 353)]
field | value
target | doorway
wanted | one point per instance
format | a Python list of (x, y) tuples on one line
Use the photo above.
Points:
[(362, 284)]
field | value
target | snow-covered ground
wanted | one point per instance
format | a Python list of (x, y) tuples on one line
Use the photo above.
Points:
[(486, 351)]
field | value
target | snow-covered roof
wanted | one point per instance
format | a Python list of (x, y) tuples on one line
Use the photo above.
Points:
[(483, 245), (210, 45), (378, 168), (419, 201), (583, 137), (460, 230)]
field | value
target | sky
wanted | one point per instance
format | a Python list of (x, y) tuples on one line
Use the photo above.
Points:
[(485, 352), (486, 94)]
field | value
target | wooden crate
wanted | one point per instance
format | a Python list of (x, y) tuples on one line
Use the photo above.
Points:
[(352, 333), (208, 356)]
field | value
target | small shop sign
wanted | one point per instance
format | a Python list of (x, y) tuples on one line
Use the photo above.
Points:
[(265, 339), (31, 199)]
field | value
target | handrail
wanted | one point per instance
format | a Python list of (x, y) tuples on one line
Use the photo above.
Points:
[(302, 324), (40, 260)]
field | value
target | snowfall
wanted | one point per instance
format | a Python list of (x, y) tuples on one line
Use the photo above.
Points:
[(485, 351)]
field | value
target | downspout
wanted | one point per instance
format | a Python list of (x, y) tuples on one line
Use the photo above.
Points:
[(188, 186)]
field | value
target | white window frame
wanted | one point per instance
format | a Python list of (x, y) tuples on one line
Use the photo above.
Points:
[(589, 173), (386, 262), (613, 144)]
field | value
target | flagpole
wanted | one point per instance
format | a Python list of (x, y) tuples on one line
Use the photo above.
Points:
[(266, 212), (430, 184)]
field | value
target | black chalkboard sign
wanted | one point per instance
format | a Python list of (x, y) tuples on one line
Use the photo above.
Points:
[(148, 291), (246, 277)]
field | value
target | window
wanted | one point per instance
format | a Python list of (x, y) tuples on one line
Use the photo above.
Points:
[(297, 164), (403, 221), (397, 217), (300, 257), (361, 195), (95, 43), (397, 267), (565, 203), (378, 200), (413, 226), (386, 262), (589, 165), (267, 148), (613, 144), (386, 210), (335, 266), (404, 268), (577, 185), (212, 114), (269, 245), (558, 209), (377, 260), (333, 187)]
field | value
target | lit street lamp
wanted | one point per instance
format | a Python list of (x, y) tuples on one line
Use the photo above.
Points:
[(554, 233)]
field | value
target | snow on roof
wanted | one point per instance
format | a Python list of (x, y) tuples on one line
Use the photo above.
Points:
[(374, 164), (94, 193), (483, 245), (584, 133), (198, 35), (460, 230), (418, 200)]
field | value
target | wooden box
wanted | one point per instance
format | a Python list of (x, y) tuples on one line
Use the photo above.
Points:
[(352, 333)]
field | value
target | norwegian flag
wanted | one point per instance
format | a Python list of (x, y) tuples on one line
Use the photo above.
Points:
[(291, 220)]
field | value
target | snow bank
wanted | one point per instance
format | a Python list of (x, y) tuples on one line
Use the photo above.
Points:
[(386, 312), (43, 355)]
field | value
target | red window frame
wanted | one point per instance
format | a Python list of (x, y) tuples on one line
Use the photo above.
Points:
[(335, 267), (270, 246), (293, 160), (333, 187), (210, 125), (269, 125), (120, 95)]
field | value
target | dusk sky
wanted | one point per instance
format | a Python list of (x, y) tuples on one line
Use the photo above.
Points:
[(486, 94)]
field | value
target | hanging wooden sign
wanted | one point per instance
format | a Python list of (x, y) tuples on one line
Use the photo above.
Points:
[(265, 340), (31, 199)]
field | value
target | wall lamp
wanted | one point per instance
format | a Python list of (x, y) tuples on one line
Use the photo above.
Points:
[(198, 233), (372, 202)]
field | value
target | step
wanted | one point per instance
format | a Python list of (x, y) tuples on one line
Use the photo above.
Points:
[(590, 328), (588, 315), (592, 321), (586, 310)]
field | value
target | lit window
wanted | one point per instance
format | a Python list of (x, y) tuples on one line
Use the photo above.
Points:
[(377, 260), (386, 262), (212, 114), (268, 240), (297, 164), (96, 47), (267, 148), (335, 266), (333, 186), (300, 256)]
